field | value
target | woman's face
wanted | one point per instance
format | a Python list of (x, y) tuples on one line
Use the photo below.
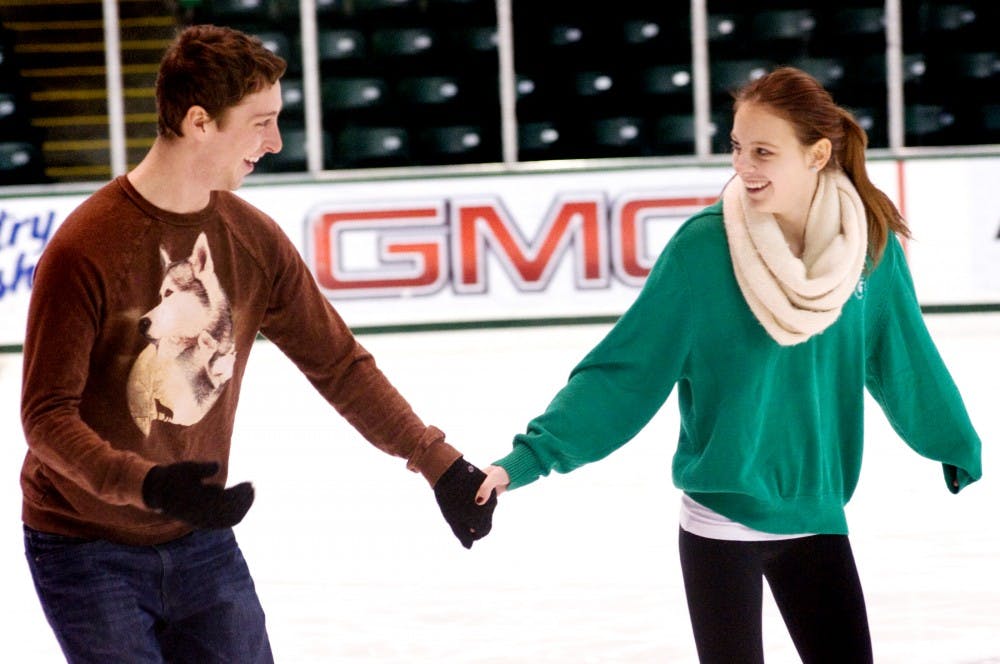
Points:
[(773, 165)]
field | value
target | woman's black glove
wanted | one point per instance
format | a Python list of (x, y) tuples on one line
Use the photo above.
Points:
[(455, 492), (178, 490)]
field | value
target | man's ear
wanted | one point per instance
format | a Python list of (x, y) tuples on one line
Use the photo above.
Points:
[(196, 121)]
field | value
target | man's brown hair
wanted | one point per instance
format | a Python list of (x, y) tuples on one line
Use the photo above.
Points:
[(212, 67)]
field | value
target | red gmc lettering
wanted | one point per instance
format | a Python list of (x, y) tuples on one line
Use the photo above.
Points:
[(411, 243), (629, 218), (411, 250), (478, 224)]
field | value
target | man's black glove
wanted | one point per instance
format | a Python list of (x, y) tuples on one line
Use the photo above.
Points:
[(456, 496), (178, 490)]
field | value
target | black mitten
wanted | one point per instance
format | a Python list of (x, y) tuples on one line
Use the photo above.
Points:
[(456, 496), (178, 490)]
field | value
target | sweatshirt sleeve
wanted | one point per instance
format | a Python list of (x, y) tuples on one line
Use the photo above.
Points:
[(63, 322), (618, 386), (304, 325), (909, 380)]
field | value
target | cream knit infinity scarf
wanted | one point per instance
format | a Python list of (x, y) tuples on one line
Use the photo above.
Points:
[(796, 298)]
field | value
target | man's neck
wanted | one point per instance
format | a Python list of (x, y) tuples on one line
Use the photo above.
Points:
[(167, 178)]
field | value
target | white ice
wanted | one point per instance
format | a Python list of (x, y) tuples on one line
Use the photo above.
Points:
[(353, 562)]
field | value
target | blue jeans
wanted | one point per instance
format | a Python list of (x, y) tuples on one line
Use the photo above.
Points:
[(189, 600)]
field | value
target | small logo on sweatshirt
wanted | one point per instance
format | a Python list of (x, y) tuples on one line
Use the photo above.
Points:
[(859, 290)]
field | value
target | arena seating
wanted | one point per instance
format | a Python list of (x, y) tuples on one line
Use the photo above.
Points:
[(416, 82)]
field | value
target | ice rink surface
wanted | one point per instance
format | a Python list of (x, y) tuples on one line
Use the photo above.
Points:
[(354, 563)]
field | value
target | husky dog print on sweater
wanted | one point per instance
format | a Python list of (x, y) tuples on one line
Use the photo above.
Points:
[(190, 357)]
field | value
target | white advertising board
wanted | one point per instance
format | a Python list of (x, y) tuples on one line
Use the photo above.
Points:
[(26, 224), (538, 245), (953, 208)]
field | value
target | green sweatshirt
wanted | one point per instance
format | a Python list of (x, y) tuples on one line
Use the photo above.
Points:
[(771, 436)]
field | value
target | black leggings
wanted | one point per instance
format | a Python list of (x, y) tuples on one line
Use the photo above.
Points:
[(813, 580)]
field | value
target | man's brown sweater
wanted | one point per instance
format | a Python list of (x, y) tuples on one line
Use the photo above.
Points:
[(140, 326)]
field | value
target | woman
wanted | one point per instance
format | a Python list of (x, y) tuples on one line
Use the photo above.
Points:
[(771, 311)]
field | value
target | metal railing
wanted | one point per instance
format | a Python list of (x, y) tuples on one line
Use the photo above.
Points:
[(509, 148)]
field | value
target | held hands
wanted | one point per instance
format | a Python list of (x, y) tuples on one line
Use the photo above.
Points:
[(178, 490), (470, 519), (496, 480)]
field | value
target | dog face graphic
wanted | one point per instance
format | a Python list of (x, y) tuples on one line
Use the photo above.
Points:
[(190, 355)]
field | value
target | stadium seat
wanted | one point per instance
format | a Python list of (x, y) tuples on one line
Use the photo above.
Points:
[(353, 93), (850, 22), (536, 138), (979, 66), (730, 75), (325, 7), (618, 132), (873, 121), (592, 83), (20, 163), (850, 32), (566, 34), (641, 31), (279, 44), (403, 42), (244, 11), (475, 39), (726, 27), (429, 89), (788, 24), (372, 145), (830, 72), (989, 121), (9, 107), (666, 80), (451, 142), (292, 100), (675, 132), (340, 44), (914, 67), (963, 76), (950, 17), (533, 102), (524, 86), (925, 123)]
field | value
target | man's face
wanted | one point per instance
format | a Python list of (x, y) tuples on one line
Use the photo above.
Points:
[(243, 134)]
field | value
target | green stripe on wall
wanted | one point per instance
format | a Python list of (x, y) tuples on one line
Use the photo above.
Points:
[(507, 323)]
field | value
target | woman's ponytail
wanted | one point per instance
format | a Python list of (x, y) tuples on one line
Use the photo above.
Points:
[(883, 217)]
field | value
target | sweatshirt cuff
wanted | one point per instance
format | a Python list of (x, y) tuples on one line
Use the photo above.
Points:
[(521, 465), (432, 455), (961, 476), (136, 473)]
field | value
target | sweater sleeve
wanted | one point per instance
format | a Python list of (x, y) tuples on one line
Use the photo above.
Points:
[(304, 325), (618, 386), (63, 322), (909, 380)]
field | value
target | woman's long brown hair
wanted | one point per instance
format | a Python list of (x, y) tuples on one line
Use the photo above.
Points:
[(799, 98)]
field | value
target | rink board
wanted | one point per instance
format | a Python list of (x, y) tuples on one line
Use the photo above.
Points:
[(531, 245)]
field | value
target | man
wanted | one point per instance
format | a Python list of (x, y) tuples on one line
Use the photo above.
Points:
[(145, 306)]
